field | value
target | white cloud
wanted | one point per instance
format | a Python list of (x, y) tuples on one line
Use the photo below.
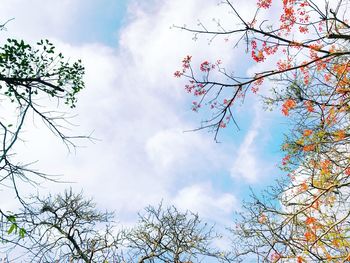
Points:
[(37, 19), (172, 149), (208, 203), (246, 163), (138, 111), (72, 21), (254, 159)]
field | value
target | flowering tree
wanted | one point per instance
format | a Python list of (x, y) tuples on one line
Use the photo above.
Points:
[(305, 217)]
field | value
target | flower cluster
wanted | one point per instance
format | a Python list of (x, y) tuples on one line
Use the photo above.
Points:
[(287, 106), (309, 106), (185, 65), (259, 55), (286, 160), (206, 67), (283, 65), (196, 88), (264, 3)]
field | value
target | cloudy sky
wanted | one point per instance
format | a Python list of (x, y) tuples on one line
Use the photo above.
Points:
[(138, 111)]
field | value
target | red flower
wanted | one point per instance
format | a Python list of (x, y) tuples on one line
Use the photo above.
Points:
[(286, 159), (177, 74), (264, 3), (205, 66), (347, 171)]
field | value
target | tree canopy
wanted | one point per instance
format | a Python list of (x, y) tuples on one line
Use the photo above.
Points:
[(305, 216), (302, 49), (69, 227), (34, 81)]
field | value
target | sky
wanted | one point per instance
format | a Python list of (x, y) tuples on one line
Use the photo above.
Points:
[(138, 111)]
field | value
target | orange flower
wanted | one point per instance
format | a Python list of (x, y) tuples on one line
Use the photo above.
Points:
[(309, 148), (325, 167), (315, 47), (288, 105), (304, 186), (316, 205), (310, 220), (336, 243), (332, 49), (339, 135), (327, 77), (342, 90), (307, 133), (309, 106), (285, 146), (309, 236)]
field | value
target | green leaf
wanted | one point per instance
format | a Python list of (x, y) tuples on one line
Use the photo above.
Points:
[(11, 219), (22, 232), (12, 227)]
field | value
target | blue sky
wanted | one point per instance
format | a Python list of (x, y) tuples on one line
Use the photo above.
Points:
[(138, 111)]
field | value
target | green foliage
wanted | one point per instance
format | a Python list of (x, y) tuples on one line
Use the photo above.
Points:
[(27, 70), (14, 228), (29, 73)]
